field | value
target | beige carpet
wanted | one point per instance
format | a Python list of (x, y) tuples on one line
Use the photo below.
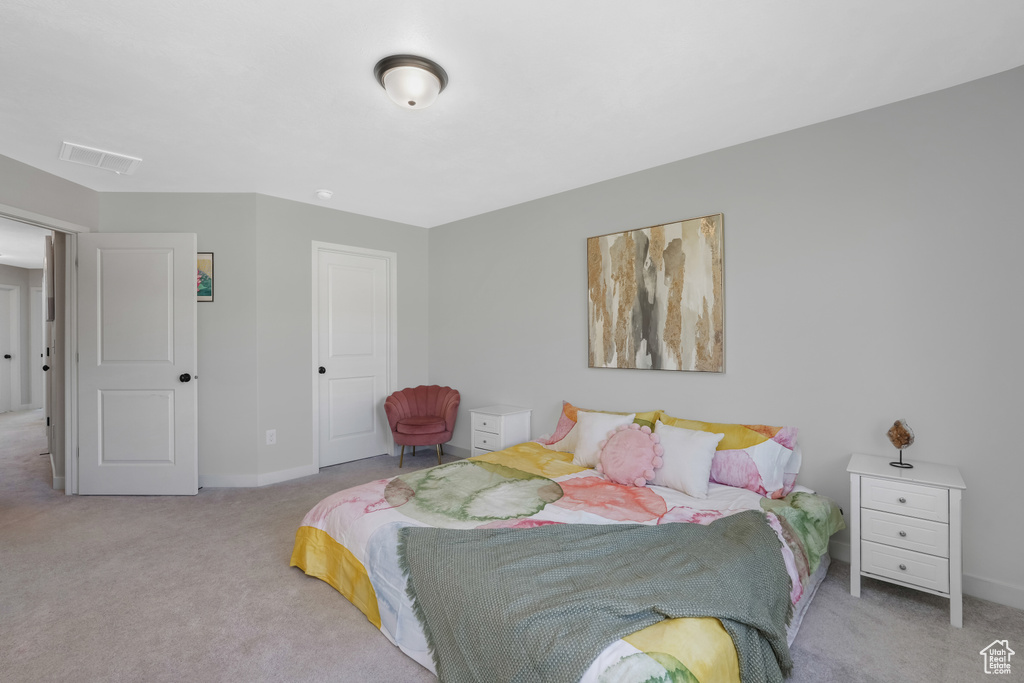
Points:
[(199, 589)]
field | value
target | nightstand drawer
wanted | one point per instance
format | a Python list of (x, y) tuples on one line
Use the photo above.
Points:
[(902, 498), (918, 569), (480, 451), (902, 531), (486, 423), (486, 440)]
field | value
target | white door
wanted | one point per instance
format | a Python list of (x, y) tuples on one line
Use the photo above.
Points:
[(7, 355), (354, 352), (37, 357), (137, 361)]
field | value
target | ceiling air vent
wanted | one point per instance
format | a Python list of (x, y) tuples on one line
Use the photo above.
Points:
[(98, 158)]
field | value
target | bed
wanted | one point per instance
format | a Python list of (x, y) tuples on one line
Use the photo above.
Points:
[(351, 540)]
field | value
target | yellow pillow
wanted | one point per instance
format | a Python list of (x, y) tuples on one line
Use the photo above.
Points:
[(737, 437), (566, 436), (759, 458)]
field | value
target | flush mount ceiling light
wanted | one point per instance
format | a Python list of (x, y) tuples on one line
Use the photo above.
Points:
[(323, 195), (411, 82)]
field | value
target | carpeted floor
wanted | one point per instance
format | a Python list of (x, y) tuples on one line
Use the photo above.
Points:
[(199, 588)]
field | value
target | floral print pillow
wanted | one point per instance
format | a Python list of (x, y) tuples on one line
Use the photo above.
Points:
[(760, 458)]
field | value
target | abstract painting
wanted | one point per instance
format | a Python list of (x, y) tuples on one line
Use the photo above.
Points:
[(656, 297), (204, 276)]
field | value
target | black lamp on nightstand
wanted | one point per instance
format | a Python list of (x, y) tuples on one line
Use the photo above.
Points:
[(901, 436)]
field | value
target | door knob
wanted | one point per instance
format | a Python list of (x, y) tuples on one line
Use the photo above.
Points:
[(184, 377), (45, 368), (322, 370)]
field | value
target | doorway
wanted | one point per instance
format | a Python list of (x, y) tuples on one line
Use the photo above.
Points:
[(25, 335), (10, 347)]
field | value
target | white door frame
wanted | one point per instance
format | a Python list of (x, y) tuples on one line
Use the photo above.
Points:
[(13, 292), (70, 331), (392, 364), (36, 378)]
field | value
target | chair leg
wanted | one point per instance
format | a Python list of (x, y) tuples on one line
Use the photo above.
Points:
[(402, 456), (438, 446)]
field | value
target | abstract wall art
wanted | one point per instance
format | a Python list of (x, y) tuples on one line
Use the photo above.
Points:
[(656, 297), (204, 276)]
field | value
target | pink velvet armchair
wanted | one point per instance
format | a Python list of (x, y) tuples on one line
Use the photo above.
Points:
[(422, 416)]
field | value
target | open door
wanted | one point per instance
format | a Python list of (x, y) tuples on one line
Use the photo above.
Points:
[(137, 363)]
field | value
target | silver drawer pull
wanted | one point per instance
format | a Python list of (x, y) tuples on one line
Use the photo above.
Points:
[(903, 534), (902, 499), (903, 567)]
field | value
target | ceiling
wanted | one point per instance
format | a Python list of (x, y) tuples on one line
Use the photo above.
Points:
[(279, 97)]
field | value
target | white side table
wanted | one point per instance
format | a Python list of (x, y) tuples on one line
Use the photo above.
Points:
[(498, 427), (905, 527)]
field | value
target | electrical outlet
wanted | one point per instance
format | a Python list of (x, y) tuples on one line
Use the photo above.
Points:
[(271, 437)]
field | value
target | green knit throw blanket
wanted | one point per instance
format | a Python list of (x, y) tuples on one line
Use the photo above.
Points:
[(540, 604)]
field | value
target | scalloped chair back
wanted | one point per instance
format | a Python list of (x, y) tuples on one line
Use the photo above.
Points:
[(422, 416)]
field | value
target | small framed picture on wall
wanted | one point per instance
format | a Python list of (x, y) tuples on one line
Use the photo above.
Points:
[(204, 276)]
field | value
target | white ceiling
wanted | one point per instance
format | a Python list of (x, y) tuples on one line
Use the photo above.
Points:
[(279, 97)]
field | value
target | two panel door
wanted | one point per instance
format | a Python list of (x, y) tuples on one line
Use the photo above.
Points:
[(137, 364), (353, 346)]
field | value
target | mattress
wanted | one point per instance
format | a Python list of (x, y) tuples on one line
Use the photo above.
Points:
[(350, 540)]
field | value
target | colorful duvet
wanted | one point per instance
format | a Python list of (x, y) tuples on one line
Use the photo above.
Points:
[(350, 540)]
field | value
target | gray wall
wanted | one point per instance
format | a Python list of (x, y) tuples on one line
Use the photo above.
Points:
[(225, 225), (285, 320), (25, 279), (29, 189), (255, 351), (872, 273)]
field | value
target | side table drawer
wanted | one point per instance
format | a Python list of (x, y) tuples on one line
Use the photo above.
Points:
[(486, 440), (902, 498), (920, 535), (918, 569), (480, 451), (486, 423)]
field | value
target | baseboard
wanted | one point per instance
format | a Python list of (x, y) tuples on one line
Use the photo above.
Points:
[(994, 591), (448, 450), (58, 483), (976, 586), (228, 481), (839, 551), (232, 481), (286, 475), (457, 451)]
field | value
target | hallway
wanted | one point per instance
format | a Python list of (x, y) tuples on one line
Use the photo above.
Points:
[(24, 462)]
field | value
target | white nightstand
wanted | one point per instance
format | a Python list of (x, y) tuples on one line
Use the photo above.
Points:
[(905, 527), (497, 427)]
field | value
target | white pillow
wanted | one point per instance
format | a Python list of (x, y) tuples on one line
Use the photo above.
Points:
[(593, 429), (688, 456)]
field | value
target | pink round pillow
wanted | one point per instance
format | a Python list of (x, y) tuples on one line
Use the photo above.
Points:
[(630, 455)]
